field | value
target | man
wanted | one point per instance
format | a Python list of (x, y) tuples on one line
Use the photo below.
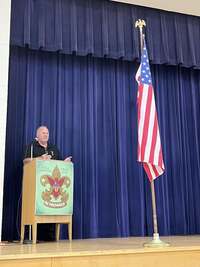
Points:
[(40, 148)]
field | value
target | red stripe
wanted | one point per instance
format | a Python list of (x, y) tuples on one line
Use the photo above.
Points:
[(139, 99), (155, 171), (153, 141), (160, 158), (146, 168), (146, 122)]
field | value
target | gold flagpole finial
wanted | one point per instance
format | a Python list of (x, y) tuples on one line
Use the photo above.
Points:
[(140, 23)]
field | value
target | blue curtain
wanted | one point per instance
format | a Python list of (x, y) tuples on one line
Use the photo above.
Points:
[(89, 105), (104, 28)]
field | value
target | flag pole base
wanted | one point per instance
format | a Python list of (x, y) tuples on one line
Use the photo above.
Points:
[(156, 242)]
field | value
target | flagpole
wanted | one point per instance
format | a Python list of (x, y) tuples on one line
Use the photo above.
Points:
[(156, 241), (155, 222)]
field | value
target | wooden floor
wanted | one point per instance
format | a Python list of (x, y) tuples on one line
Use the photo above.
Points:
[(115, 252)]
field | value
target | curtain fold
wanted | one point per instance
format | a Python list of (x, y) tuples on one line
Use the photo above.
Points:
[(89, 105), (103, 28)]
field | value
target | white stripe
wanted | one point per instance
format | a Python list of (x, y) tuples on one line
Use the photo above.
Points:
[(150, 130), (157, 149), (142, 116), (153, 175), (159, 170), (158, 144)]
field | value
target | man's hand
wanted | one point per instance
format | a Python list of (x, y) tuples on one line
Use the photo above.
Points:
[(68, 159), (45, 157)]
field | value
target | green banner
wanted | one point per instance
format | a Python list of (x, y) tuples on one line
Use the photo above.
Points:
[(54, 187)]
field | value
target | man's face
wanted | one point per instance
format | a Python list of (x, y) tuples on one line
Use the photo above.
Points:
[(43, 134)]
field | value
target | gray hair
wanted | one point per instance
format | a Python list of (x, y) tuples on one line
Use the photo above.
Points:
[(39, 128)]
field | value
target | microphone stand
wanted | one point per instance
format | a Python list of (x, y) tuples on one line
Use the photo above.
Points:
[(32, 151), (29, 241), (33, 142)]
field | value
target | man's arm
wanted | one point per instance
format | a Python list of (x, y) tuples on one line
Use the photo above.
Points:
[(68, 159), (44, 157)]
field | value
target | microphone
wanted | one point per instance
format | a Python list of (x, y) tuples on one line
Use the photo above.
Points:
[(32, 144), (35, 140)]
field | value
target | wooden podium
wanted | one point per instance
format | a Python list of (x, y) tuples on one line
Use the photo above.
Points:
[(47, 195)]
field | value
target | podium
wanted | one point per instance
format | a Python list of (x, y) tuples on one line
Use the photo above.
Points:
[(47, 195)]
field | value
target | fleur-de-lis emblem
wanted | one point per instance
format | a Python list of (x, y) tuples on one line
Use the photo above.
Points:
[(56, 189)]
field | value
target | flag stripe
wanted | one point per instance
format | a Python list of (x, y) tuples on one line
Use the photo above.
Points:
[(147, 170), (157, 148), (146, 114), (150, 130), (154, 138), (141, 116), (155, 170), (160, 162), (139, 99)]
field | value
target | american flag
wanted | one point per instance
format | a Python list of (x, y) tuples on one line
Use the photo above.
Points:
[(149, 145)]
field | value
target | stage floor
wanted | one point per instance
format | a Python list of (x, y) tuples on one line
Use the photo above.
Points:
[(183, 251)]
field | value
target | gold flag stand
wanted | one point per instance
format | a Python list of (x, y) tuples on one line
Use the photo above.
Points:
[(156, 241)]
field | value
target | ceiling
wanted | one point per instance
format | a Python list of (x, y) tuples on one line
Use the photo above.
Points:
[(191, 7)]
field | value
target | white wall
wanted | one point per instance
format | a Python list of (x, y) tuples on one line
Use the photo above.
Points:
[(5, 7), (191, 7)]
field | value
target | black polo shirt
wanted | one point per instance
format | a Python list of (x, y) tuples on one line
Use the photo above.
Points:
[(39, 150)]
